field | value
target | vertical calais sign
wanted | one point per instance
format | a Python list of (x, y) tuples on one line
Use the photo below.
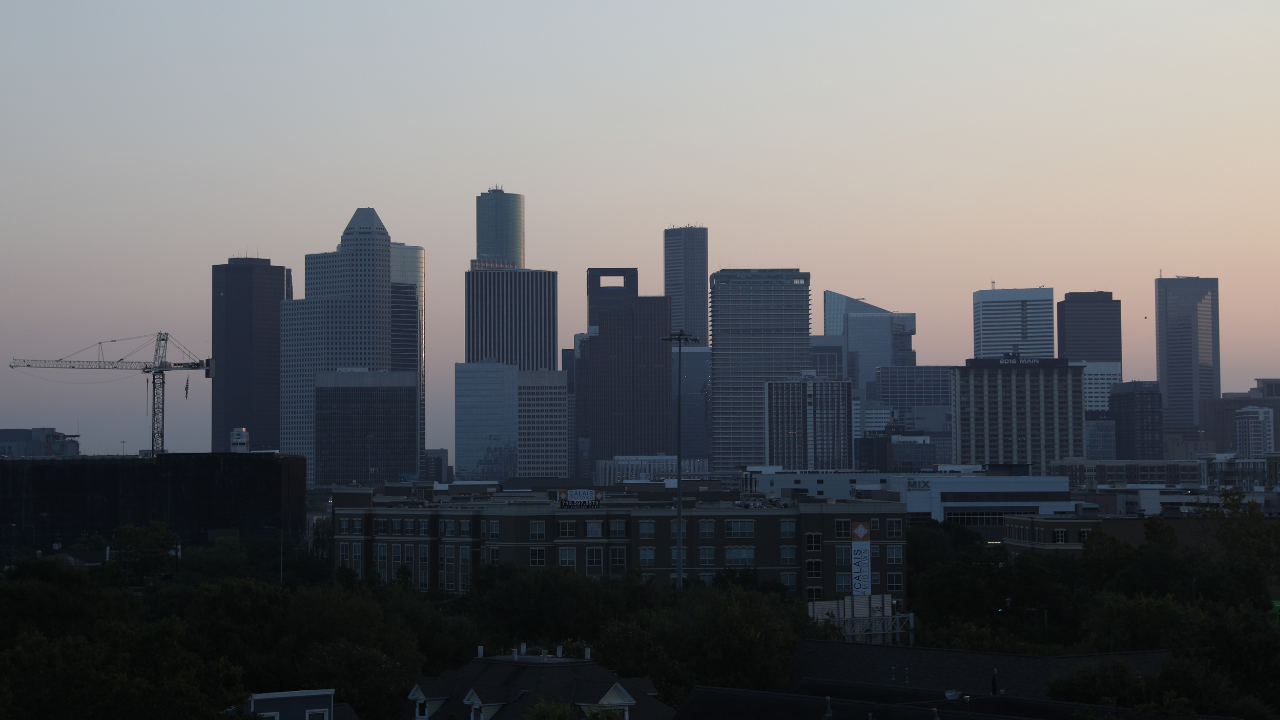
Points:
[(861, 559)]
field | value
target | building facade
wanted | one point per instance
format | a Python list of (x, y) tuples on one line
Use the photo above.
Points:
[(920, 397), (872, 336), (1013, 321), (684, 254), (1188, 362), (1018, 410), (694, 400), (366, 427), (500, 230), (809, 424), (37, 442), (760, 333), (1218, 415), (805, 546), (486, 421), (1089, 327), (1255, 432), (1137, 409), (543, 429), (511, 318), (246, 347)]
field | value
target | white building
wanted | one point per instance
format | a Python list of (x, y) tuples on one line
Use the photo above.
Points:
[(1098, 379), (1255, 432), (1013, 321)]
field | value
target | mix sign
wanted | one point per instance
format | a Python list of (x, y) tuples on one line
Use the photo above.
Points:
[(861, 559)]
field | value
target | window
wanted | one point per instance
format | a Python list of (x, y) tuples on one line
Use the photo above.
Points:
[(740, 556), (844, 555), (875, 578), (446, 567), (448, 528), (893, 528), (537, 530), (595, 529), (381, 549), (395, 553), (595, 559), (706, 578), (422, 554), (464, 528), (424, 527), (788, 579), (813, 569), (1084, 535), (357, 550), (568, 556), (423, 579), (844, 582), (344, 552), (706, 528), (646, 529), (844, 529), (788, 554), (646, 556), (813, 542), (343, 526), (494, 555), (1060, 536), (408, 554), (380, 526), (357, 525), (617, 528), (537, 557), (684, 555), (893, 554), (740, 528), (464, 568), (317, 715), (875, 551), (617, 557), (408, 527), (875, 523), (706, 556), (568, 528), (684, 527), (395, 526), (493, 529), (813, 594), (789, 529), (895, 582), (1039, 535)]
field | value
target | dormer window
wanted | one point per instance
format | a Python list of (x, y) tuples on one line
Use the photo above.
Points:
[(422, 708)]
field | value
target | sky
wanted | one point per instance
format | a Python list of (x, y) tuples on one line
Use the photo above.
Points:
[(907, 153)]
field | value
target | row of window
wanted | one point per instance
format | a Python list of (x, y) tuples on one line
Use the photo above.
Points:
[(1023, 532), (595, 528)]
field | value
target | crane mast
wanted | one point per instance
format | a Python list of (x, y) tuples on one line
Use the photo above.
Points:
[(156, 368)]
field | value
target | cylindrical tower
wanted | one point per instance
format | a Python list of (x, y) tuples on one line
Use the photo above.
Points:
[(500, 229)]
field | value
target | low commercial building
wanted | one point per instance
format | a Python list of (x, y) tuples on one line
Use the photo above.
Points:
[(1069, 532), (805, 545), (37, 442)]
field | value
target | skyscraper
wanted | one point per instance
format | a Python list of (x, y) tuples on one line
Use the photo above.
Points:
[(1187, 353), (486, 421), (760, 333), (357, 314), (543, 428), (499, 230), (694, 406), (684, 253), (1013, 321), (920, 397), (1136, 407), (810, 423), (246, 344), (1089, 327), (622, 371), (1255, 432), (873, 337), (366, 427), (511, 318)]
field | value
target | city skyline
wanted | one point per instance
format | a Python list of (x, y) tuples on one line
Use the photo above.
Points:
[(81, 268)]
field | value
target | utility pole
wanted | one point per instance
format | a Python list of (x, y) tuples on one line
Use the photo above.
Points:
[(680, 338)]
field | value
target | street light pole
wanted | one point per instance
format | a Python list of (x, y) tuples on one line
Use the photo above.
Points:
[(680, 338)]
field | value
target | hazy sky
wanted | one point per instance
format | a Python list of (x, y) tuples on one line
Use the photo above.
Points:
[(904, 153)]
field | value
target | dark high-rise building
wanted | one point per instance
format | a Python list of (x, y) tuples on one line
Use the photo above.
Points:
[(694, 410), (366, 427), (685, 258), (435, 466), (827, 357), (920, 397), (1136, 409), (1218, 415), (1089, 327), (1187, 354), (810, 424), (499, 230), (511, 318), (760, 333), (1001, 412), (622, 372), (246, 346)]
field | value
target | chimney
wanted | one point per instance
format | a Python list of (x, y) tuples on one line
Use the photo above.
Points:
[(521, 648), (559, 651), (588, 656), (479, 651)]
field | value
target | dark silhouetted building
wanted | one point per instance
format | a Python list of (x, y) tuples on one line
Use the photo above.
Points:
[(542, 405), (1137, 410), (246, 349), (684, 254), (827, 357), (1187, 352), (920, 397), (810, 424), (1218, 415), (499, 230), (366, 427), (486, 420), (622, 373), (435, 466), (511, 318), (1089, 327), (760, 333), (695, 410), (37, 442)]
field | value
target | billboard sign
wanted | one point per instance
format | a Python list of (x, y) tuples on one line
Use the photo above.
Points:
[(580, 497), (861, 554)]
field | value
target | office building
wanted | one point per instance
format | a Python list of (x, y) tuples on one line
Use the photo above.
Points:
[(362, 310), (543, 428), (37, 442), (1218, 415), (684, 254), (1255, 432), (920, 397), (827, 357), (694, 407), (435, 466), (1099, 436), (1089, 327), (1013, 321), (366, 427), (246, 347), (511, 318), (1187, 353), (760, 333), (1099, 378), (809, 424), (622, 371), (1137, 410), (499, 230), (486, 421), (1018, 410), (649, 468), (873, 337)]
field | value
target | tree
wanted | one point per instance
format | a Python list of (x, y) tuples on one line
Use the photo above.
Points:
[(546, 709), (144, 552)]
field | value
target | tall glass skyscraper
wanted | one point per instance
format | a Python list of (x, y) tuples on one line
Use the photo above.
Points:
[(1013, 321), (499, 230), (486, 420), (511, 318), (684, 254), (760, 334), (1188, 363), (873, 337)]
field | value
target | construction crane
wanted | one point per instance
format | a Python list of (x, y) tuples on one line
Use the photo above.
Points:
[(156, 368)]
